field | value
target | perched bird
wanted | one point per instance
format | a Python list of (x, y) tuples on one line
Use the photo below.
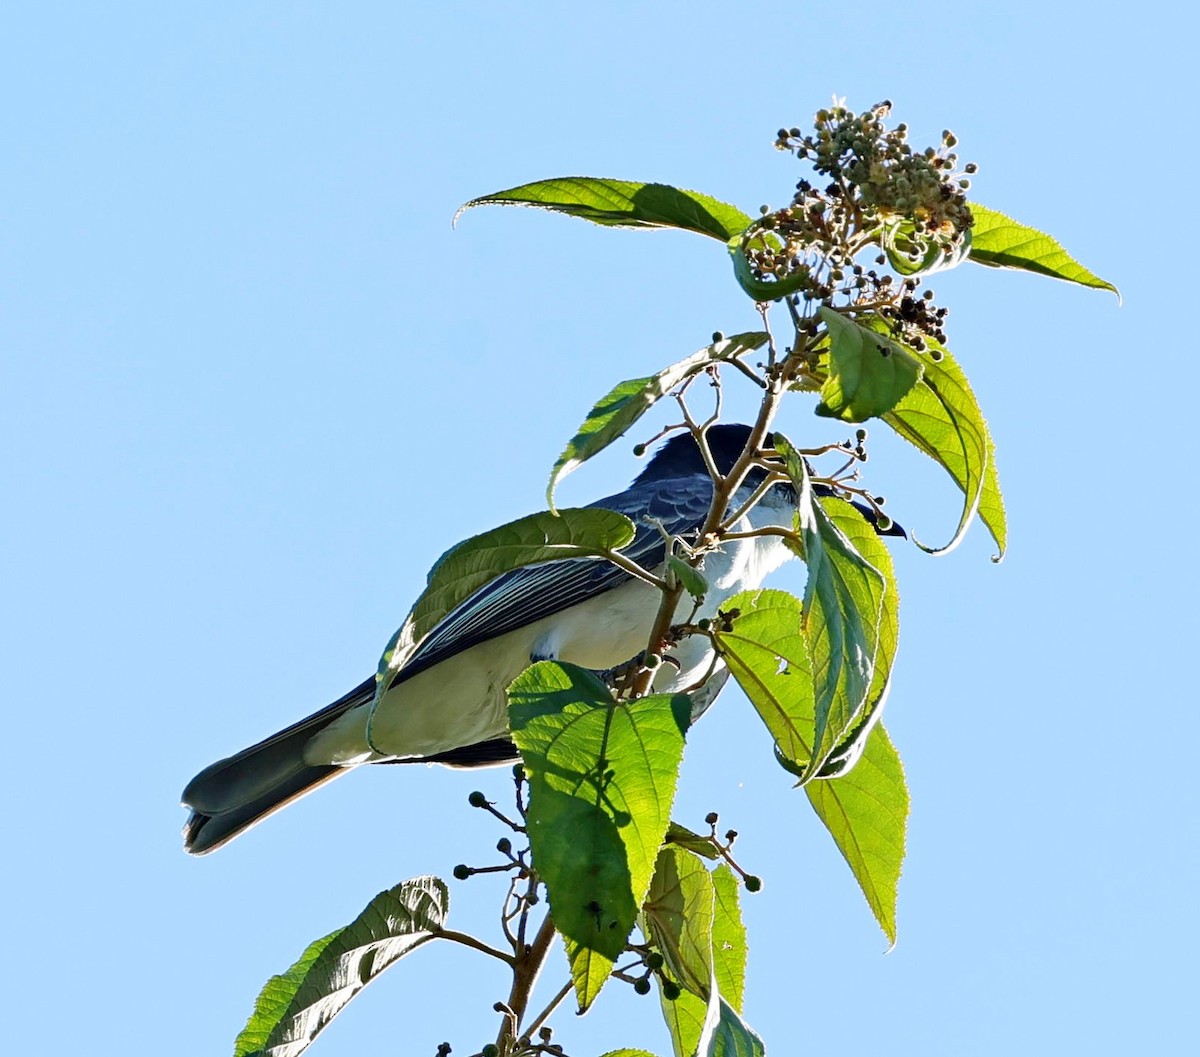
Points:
[(447, 703)]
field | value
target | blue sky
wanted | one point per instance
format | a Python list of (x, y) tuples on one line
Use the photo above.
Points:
[(253, 384)]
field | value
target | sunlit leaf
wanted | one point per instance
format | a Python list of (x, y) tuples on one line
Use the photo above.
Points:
[(766, 652), (602, 777), (624, 203), (684, 1017), (941, 417), (615, 413), (725, 1034), (293, 1008), (866, 812), (678, 916), (1000, 242), (868, 372), (862, 536), (695, 922), (693, 842), (628, 1053), (729, 937), (843, 607)]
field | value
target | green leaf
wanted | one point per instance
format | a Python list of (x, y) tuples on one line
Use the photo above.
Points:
[(692, 579), (693, 918), (1000, 242), (729, 937), (866, 812), (843, 607), (763, 290), (684, 1017), (628, 1053), (868, 372), (816, 671), (693, 842), (910, 251), (602, 777), (941, 417), (727, 1035), (612, 417), (468, 566), (766, 652), (293, 1008), (626, 204), (678, 918), (867, 542)]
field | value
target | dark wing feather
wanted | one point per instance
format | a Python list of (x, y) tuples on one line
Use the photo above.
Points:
[(525, 595)]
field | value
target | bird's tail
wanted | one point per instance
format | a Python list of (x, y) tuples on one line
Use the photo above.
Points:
[(233, 794)]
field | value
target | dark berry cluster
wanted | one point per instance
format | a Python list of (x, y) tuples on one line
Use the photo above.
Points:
[(916, 318)]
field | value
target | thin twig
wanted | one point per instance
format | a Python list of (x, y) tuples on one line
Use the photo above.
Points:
[(748, 371), (544, 1015), (635, 570), (468, 940), (772, 479), (767, 530), (723, 489)]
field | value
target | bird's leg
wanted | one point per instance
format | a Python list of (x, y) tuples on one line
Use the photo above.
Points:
[(619, 676)]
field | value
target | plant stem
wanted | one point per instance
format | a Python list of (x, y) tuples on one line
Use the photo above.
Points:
[(544, 1015), (468, 940), (526, 966)]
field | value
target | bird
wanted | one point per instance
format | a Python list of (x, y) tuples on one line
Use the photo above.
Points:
[(447, 704)]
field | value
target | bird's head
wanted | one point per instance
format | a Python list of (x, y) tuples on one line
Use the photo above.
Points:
[(680, 456)]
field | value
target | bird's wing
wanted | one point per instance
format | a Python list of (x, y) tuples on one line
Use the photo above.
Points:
[(525, 595)]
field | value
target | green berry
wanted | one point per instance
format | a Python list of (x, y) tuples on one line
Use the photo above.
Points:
[(477, 799)]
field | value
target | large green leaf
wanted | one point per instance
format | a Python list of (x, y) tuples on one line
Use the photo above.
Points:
[(1000, 242), (630, 400), (684, 1017), (468, 566), (843, 607), (624, 203), (775, 643), (293, 1008), (678, 917), (725, 1034), (729, 937), (686, 1014), (866, 811), (868, 372), (867, 542), (941, 417), (602, 777), (766, 652)]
